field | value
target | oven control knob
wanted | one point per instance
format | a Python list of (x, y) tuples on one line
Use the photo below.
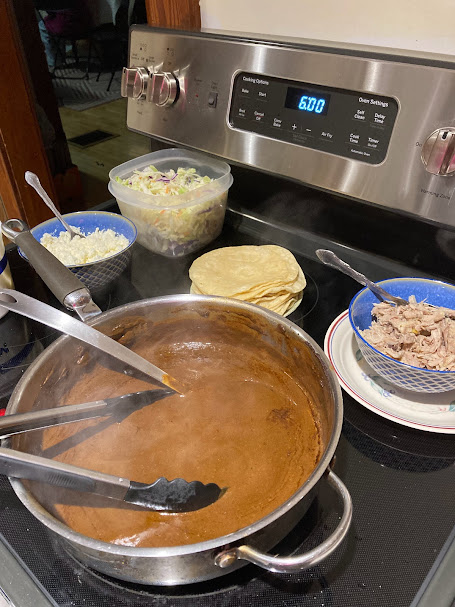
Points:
[(438, 152), (163, 89), (134, 82)]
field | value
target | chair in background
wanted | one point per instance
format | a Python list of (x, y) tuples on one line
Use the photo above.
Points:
[(66, 22), (110, 40)]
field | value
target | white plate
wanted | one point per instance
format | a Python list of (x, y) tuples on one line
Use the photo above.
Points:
[(430, 412)]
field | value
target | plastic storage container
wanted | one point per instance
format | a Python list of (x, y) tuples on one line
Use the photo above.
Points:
[(175, 225)]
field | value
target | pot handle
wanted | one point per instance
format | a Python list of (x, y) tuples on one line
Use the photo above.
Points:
[(292, 564)]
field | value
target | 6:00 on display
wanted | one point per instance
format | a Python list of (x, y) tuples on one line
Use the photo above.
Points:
[(307, 101), (312, 104)]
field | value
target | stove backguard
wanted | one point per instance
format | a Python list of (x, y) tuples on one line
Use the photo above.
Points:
[(366, 123)]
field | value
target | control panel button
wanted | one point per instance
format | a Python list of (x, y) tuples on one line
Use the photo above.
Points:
[(277, 123), (326, 135), (360, 114), (373, 143), (242, 111), (245, 91), (379, 118), (212, 99), (347, 123), (259, 116)]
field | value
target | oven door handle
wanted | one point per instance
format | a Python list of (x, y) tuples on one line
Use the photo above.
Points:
[(293, 564)]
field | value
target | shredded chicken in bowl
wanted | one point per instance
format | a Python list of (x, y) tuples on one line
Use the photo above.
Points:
[(416, 334)]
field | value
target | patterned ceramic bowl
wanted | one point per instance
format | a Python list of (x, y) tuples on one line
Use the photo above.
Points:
[(405, 376), (100, 273)]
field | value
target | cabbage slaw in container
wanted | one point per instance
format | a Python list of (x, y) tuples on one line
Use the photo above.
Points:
[(176, 198)]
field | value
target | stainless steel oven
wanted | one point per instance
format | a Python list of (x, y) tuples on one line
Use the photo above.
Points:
[(368, 124), (337, 147)]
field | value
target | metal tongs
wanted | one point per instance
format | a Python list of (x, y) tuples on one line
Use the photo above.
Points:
[(177, 495)]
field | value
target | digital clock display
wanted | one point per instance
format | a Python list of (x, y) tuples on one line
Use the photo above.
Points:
[(309, 101)]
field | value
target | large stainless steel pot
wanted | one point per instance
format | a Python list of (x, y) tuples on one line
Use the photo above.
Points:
[(209, 559)]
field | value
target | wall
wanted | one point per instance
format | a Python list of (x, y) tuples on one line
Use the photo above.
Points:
[(405, 24)]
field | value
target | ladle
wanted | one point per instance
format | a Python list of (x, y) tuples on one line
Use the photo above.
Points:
[(330, 259), (34, 181)]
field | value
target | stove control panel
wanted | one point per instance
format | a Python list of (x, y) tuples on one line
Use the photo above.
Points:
[(363, 122), (346, 123)]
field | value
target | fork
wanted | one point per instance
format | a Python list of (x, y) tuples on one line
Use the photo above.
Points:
[(330, 259)]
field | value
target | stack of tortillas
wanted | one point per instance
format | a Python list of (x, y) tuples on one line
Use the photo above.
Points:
[(266, 275)]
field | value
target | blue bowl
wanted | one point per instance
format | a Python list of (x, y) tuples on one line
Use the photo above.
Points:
[(99, 273), (400, 374)]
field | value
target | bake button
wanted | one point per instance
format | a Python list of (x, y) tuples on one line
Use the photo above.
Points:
[(245, 90), (212, 99)]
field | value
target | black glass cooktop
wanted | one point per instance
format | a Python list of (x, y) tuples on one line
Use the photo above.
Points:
[(401, 479)]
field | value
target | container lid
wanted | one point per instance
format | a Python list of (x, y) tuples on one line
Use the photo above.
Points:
[(165, 160)]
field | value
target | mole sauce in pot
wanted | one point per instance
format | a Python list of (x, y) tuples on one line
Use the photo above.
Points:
[(260, 415)]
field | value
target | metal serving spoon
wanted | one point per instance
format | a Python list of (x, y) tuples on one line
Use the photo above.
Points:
[(34, 181), (330, 259), (43, 313)]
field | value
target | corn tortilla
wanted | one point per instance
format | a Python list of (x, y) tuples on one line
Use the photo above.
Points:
[(266, 275)]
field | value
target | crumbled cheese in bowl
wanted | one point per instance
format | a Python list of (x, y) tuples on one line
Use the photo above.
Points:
[(79, 251)]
